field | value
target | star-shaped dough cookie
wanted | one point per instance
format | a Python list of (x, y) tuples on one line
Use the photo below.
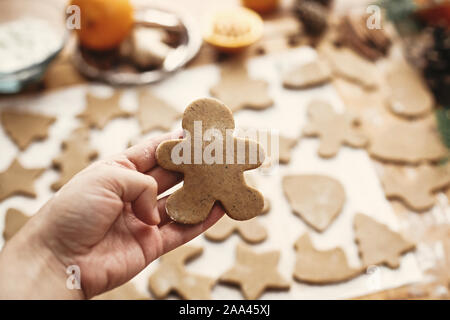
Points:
[(415, 187), (24, 127), (171, 276), (333, 129), (321, 267), (238, 91), (155, 113), (99, 111), (251, 230), (76, 155), (17, 180), (378, 244), (14, 221), (255, 273)]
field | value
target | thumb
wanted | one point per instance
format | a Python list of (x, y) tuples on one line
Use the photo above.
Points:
[(139, 189)]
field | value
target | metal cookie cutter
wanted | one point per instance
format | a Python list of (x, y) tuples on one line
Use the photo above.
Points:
[(164, 17)]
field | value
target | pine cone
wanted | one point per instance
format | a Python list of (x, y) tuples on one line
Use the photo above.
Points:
[(313, 16)]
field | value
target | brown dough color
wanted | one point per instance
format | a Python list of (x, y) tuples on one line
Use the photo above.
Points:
[(378, 244), (407, 142), (204, 184), (415, 187), (127, 291), (349, 65), (321, 267), (255, 272), (333, 129), (315, 198), (99, 111), (306, 76), (155, 113), (238, 91), (24, 128), (252, 183), (17, 180), (409, 95), (76, 155), (14, 221), (171, 276), (251, 230)]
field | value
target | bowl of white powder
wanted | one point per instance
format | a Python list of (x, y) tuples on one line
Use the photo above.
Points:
[(32, 34)]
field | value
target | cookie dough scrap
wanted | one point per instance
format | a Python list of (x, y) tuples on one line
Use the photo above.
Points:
[(377, 244), (223, 179), (17, 180), (308, 75), (408, 94), (171, 276), (238, 91), (255, 273), (99, 111), (127, 291), (333, 129), (155, 113), (317, 199), (25, 128), (407, 142), (14, 221), (321, 266), (415, 187), (251, 230), (349, 65), (76, 155)]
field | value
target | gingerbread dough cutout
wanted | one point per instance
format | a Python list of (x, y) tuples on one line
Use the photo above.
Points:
[(76, 155), (407, 142), (25, 128), (171, 276), (333, 129), (321, 266), (377, 244), (415, 187), (306, 76), (155, 113), (238, 91), (14, 221), (252, 183), (315, 198), (204, 183), (99, 111), (349, 65), (251, 230), (408, 93), (127, 291), (17, 180), (255, 273)]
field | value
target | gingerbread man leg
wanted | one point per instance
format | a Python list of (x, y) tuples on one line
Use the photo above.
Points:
[(245, 203), (189, 207)]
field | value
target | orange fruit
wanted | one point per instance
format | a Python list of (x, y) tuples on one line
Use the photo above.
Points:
[(261, 6), (104, 23), (234, 29)]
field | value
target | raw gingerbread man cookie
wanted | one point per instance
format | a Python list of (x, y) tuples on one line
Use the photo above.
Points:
[(321, 266), (171, 275), (415, 186), (238, 91), (333, 129), (213, 162), (255, 272), (306, 76)]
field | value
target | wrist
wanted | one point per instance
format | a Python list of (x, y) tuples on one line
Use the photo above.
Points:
[(30, 270)]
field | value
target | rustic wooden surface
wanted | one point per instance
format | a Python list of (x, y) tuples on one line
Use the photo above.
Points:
[(431, 230)]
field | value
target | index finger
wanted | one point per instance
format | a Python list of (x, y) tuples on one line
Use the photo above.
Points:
[(143, 154)]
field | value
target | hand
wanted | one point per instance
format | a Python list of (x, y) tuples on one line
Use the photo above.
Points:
[(106, 220)]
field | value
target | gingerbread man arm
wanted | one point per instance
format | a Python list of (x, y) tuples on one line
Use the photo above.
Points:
[(164, 155)]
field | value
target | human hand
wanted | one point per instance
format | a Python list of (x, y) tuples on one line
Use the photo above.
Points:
[(106, 220)]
